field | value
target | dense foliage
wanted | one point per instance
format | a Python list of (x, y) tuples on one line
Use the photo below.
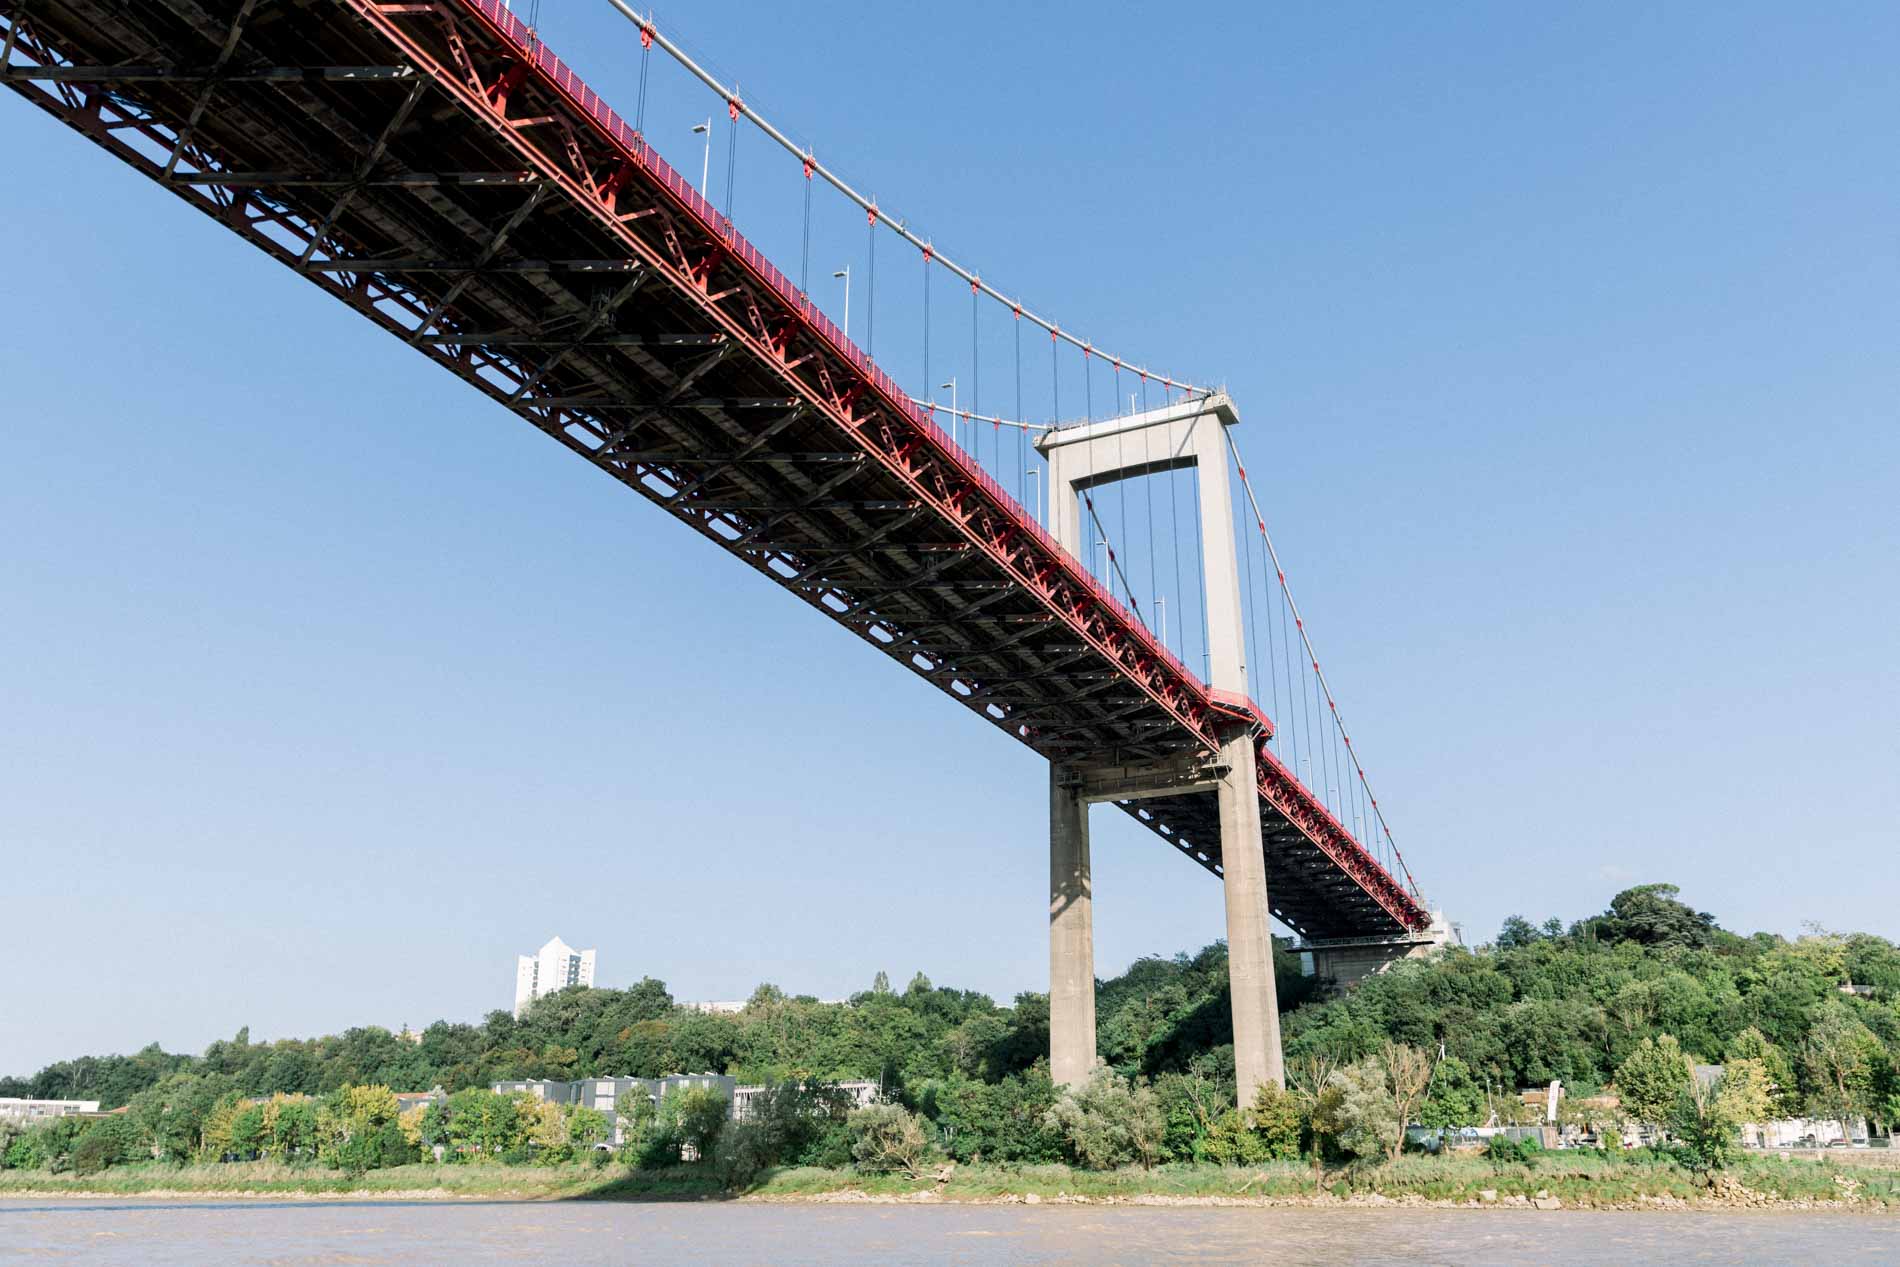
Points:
[(1634, 997)]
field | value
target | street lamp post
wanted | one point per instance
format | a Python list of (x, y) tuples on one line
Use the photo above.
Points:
[(1035, 473), (705, 161), (845, 273), (1161, 615), (952, 387)]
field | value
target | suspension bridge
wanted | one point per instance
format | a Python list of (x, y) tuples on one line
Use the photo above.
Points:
[(435, 166)]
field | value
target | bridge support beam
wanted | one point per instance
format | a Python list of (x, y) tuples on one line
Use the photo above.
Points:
[(1071, 932), (1185, 435), (1255, 994)]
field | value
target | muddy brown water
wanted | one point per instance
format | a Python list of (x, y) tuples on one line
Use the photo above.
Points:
[(324, 1232)]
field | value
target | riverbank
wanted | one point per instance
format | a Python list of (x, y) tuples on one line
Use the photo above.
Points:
[(1553, 1181)]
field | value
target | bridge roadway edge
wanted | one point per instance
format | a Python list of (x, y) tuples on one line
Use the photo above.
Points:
[(1067, 593)]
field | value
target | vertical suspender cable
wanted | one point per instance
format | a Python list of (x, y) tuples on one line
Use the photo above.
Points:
[(732, 152), (1121, 487), (650, 32), (1022, 433), (1148, 488), (1055, 392), (929, 392), (1200, 552), (1271, 669), (870, 284), (646, 56), (976, 381), (1286, 643), (1175, 536), (1253, 621), (1321, 686), (804, 267)]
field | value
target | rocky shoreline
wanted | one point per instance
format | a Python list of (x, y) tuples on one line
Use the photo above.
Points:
[(1728, 1196)]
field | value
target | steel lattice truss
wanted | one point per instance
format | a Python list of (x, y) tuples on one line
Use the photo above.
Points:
[(434, 168)]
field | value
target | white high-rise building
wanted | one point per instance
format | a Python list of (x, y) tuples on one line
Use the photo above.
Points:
[(555, 966)]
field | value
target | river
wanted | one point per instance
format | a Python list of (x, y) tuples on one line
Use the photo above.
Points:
[(316, 1232)]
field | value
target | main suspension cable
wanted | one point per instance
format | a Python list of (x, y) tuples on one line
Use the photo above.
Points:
[(650, 30)]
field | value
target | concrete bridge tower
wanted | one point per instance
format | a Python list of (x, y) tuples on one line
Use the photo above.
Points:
[(1173, 437)]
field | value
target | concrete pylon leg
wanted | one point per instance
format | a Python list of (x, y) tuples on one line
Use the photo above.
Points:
[(1256, 997), (1071, 934)]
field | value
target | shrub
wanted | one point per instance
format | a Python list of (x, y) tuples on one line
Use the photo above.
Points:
[(694, 1117), (1502, 1150), (104, 1143), (1277, 1120), (887, 1138), (1232, 1141), (1367, 1116), (744, 1153), (1109, 1122), (787, 1121), (996, 1122), (1190, 1106)]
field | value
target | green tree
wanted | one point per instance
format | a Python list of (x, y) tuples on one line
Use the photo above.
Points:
[(1004, 1121), (637, 1120), (1650, 915), (694, 1116), (1709, 1113), (586, 1127), (249, 1135), (1651, 1081), (102, 1143), (1841, 1059), (1268, 1130), (292, 1125), (1456, 1098), (1784, 1090), (1109, 1121), (1517, 933), (1310, 1077), (170, 1116), (1365, 1112)]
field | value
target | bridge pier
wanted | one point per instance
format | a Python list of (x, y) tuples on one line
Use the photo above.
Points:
[(1071, 932), (1178, 436), (1255, 994)]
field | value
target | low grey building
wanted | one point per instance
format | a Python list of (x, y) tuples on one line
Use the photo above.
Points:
[(862, 1092), (604, 1093)]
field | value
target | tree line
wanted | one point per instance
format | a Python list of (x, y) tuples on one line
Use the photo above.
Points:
[(1628, 1000)]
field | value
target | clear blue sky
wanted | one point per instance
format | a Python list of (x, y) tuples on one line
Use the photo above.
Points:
[(1568, 337)]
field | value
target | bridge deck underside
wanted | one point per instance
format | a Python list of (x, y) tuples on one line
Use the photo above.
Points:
[(408, 161)]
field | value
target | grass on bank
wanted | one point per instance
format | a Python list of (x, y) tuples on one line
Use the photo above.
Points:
[(1579, 1178)]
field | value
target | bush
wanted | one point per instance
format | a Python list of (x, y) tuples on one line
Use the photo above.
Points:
[(888, 1138), (1368, 1119), (744, 1153), (1502, 1150), (831, 1148), (45, 1146), (1232, 1141), (693, 1117), (995, 1122), (1109, 1122), (787, 1122), (104, 1143), (1277, 1120)]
